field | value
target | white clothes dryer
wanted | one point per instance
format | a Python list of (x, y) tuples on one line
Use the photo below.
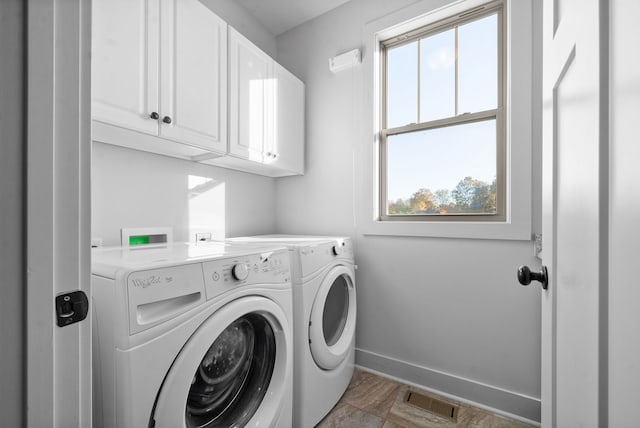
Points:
[(192, 336), (324, 296)]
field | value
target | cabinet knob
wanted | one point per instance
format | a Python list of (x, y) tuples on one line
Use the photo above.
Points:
[(166, 119), (154, 115)]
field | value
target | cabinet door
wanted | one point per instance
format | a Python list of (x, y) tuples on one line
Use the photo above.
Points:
[(287, 146), (124, 63), (250, 81), (193, 75)]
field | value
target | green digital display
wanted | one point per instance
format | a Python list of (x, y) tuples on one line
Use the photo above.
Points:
[(139, 240)]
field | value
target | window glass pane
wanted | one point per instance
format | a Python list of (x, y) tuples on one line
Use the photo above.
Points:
[(443, 171), (478, 65), (438, 76), (402, 85)]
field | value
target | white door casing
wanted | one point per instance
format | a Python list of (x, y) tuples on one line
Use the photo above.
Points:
[(574, 130), (58, 210), (624, 211)]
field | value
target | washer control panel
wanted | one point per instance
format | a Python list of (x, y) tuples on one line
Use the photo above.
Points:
[(270, 267), (240, 271), (156, 295)]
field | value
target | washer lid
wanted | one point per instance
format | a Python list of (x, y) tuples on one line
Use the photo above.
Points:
[(333, 318), (232, 372)]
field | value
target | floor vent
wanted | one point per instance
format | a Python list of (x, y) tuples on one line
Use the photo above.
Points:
[(432, 405)]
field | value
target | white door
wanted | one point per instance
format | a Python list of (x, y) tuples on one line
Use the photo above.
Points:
[(125, 63), (193, 75), (286, 150), (250, 75), (572, 211), (58, 211)]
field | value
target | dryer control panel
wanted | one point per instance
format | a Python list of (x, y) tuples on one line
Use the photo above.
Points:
[(267, 268), (317, 256)]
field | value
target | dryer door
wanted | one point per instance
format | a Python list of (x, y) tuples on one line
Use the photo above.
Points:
[(333, 318), (234, 370)]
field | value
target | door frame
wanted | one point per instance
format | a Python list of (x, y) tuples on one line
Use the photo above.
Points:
[(12, 212), (58, 197)]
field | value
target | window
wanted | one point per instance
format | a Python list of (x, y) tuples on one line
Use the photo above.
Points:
[(442, 138)]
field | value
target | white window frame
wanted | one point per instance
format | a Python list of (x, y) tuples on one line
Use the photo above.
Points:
[(493, 8), (516, 224)]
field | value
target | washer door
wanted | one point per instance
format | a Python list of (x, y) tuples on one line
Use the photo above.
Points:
[(333, 318), (232, 372)]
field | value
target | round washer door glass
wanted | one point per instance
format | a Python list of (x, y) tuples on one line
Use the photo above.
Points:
[(333, 318), (233, 371), (232, 378)]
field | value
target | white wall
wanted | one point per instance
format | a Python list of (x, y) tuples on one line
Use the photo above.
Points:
[(131, 188), (243, 21), (138, 189), (12, 229), (447, 313)]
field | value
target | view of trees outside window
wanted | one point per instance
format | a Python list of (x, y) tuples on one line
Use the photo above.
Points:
[(447, 167), (470, 196), (450, 170)]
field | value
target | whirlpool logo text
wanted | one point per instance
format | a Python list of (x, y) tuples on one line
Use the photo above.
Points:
[(147, 282)]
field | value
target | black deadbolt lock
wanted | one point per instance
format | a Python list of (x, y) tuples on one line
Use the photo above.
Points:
[(71, 308)]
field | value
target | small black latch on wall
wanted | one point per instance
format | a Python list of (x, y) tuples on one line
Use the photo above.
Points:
[(71, 307)]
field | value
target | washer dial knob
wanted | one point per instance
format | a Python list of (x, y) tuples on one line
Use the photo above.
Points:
[(240, 271), (338, 249)]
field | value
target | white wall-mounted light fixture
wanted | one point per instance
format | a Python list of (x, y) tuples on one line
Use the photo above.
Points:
[(345, 60)]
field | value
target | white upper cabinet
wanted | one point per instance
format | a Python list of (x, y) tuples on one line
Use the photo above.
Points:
[(250, 86), (286, 149), (159, 67), (124, 63), (266, 113), (193, 74), (169, 76)]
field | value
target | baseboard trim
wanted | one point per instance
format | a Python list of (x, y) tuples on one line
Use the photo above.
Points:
[(507, 403)]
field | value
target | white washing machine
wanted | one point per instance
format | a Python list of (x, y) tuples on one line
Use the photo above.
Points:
[(192, 336), (324, 296)]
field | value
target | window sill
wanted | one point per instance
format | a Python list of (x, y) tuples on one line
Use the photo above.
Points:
[(467, 230)]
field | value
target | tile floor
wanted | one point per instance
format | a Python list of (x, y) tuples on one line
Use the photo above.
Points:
[(372, 401)]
